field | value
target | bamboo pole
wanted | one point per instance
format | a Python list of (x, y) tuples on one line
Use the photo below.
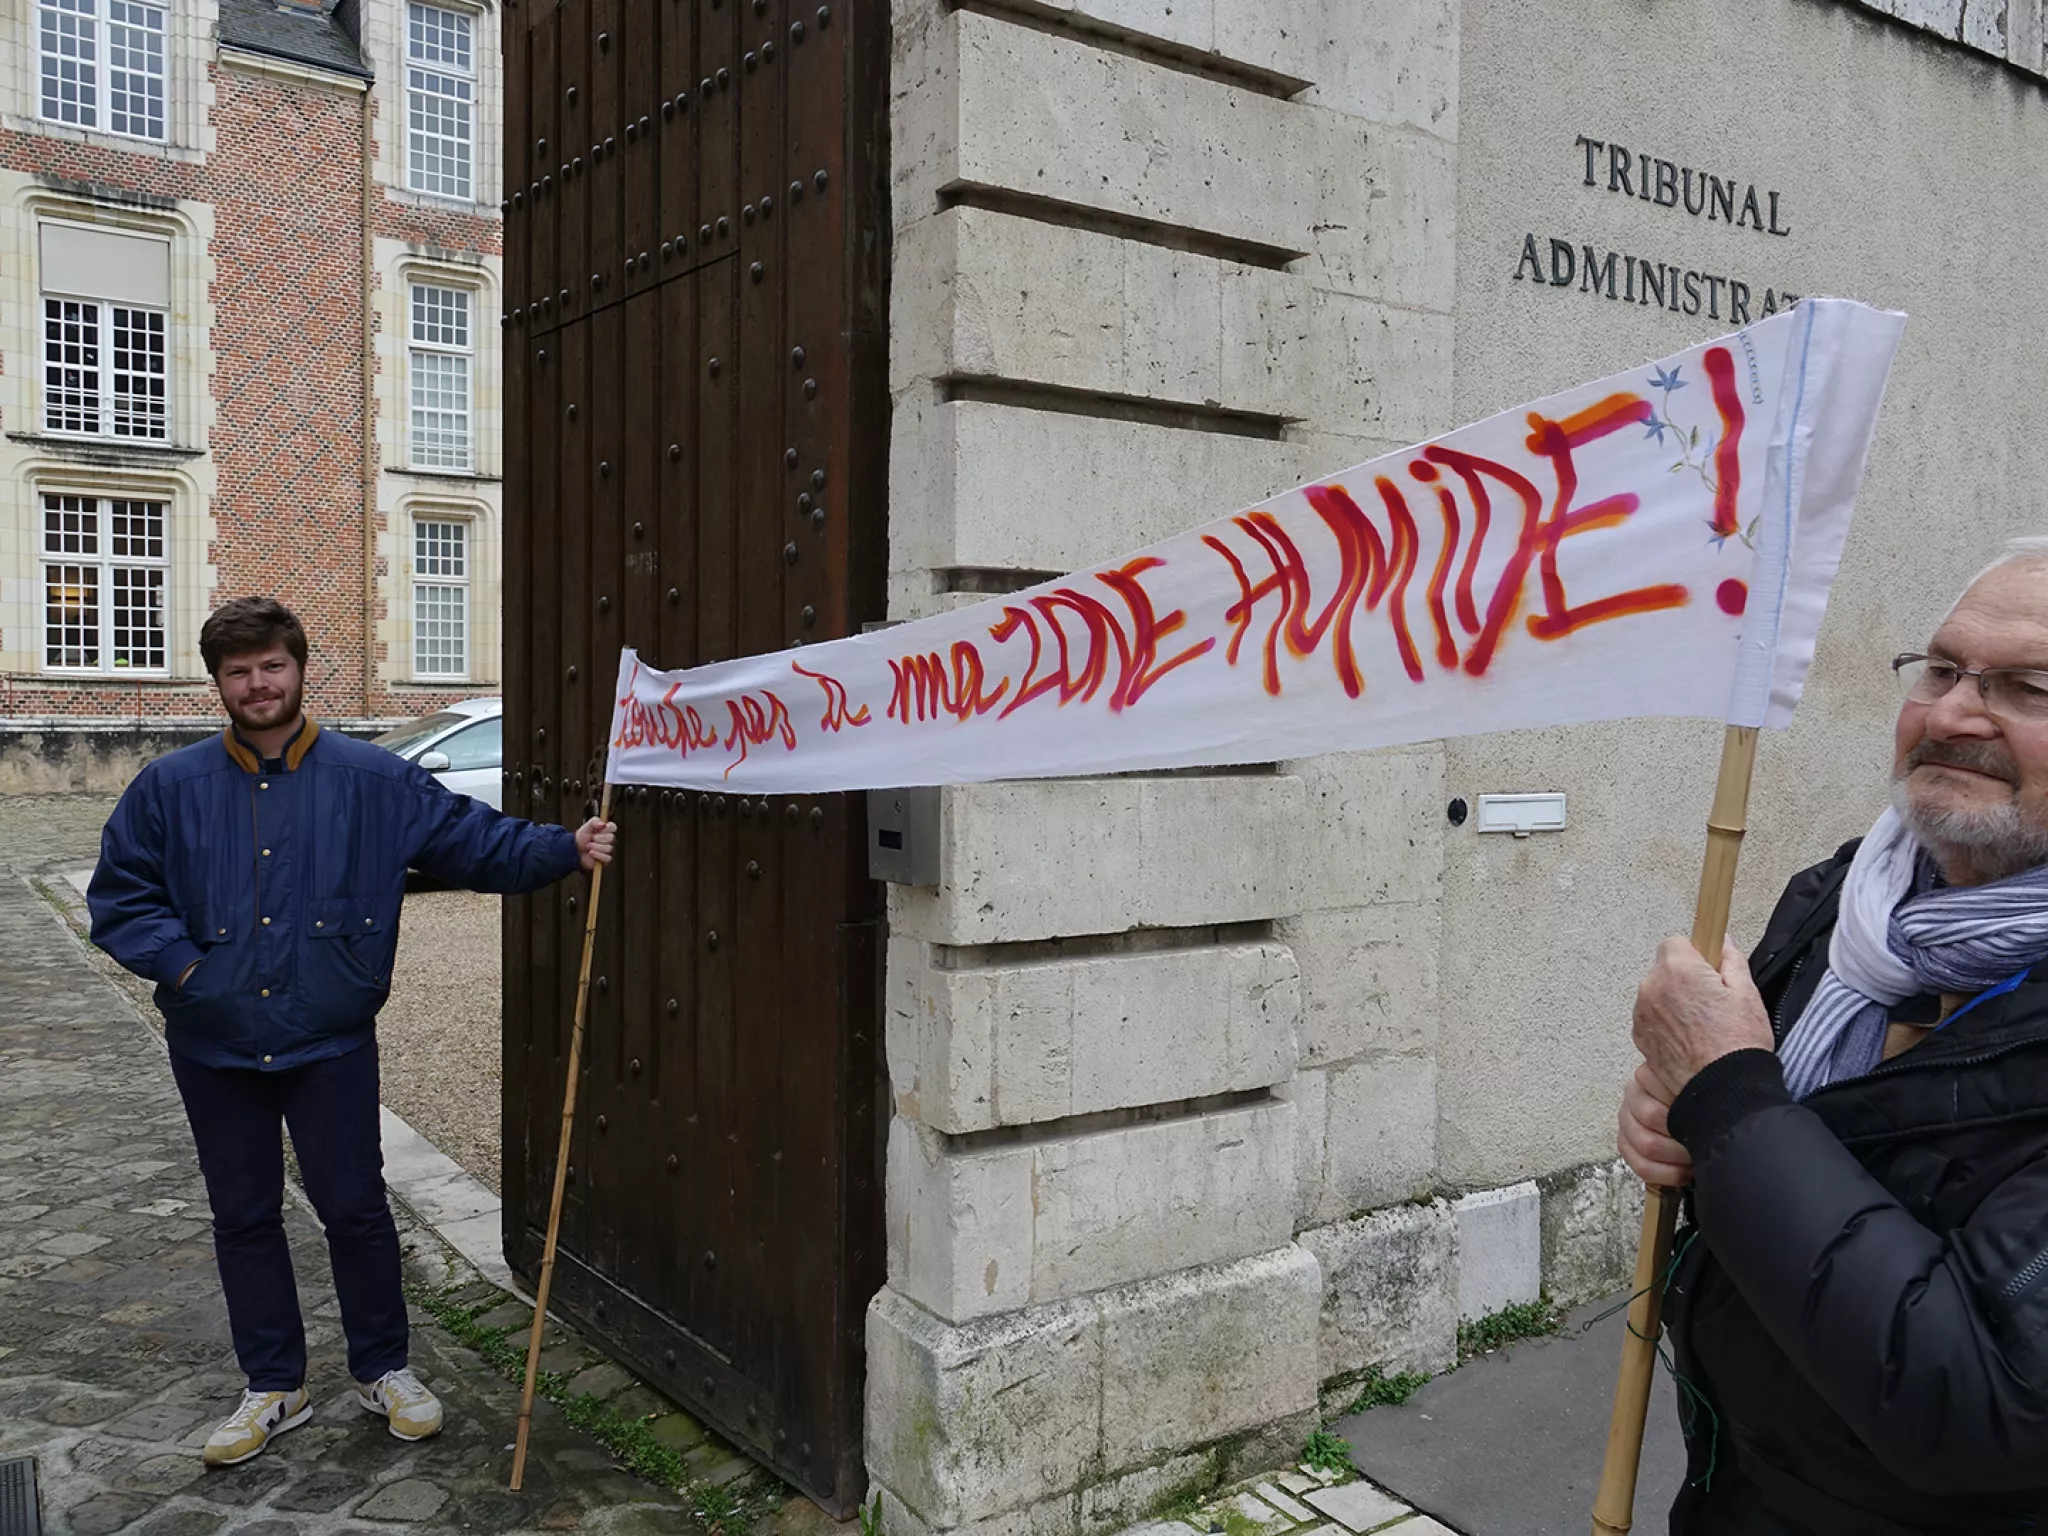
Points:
[(547, 1259), (1614, 1505)]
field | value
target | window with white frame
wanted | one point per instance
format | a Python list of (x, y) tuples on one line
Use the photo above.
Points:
[(440, 597), (106, 368), (440, 368), (106, 332), (440, 101), (106, 567), (103, 65)]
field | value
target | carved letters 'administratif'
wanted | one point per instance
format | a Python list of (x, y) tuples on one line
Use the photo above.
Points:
[(1631, 279)]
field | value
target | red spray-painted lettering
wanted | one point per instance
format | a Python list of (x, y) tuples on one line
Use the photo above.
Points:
[(1075, 638), (922, 683), (1401, 564), (755, 725), (1374, 570), (1439, 579), (838, 711), (1362, 573), (924, 689), (1720, 366), (1141, 667), (683, 731), (1555, 441), (1473, 473), (663, 723), (1070, 681)]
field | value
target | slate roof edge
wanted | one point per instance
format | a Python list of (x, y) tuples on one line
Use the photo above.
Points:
[(304, 61)]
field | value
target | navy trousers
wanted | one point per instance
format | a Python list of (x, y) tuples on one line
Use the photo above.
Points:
[(331, 1107)]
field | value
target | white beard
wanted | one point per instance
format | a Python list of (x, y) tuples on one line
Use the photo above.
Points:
[(1997, 842)]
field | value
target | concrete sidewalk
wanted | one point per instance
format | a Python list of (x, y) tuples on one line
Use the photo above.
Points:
[(115, 1360), (1510, 1444)]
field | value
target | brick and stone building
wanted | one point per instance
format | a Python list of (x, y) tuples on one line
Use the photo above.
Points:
[(1210, 1090), (249, 255)]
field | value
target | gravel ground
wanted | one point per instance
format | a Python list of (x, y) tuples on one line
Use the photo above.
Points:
[(439, 1032)]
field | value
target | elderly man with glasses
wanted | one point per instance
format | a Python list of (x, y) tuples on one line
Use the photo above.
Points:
[(1859, 1116)]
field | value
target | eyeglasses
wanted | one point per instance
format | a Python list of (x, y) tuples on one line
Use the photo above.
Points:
[(2011, 693)]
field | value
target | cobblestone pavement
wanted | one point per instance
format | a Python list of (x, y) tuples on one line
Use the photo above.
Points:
[(49, 831), (1300, 1501), (115, 1360)]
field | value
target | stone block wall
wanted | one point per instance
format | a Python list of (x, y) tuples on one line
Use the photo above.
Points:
[(1154, 1039), (2008, 30), (1155, 260), (1084, 1413), (102, 757)]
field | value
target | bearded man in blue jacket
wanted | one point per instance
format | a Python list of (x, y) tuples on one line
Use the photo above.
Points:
[(256, 878)]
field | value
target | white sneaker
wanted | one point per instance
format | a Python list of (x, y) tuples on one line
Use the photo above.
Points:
[(246, 1431), (413, 1412)]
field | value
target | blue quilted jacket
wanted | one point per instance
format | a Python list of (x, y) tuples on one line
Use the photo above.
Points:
[(285, 888)]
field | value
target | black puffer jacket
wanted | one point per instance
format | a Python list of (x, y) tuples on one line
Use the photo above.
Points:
[(1862, 1298)]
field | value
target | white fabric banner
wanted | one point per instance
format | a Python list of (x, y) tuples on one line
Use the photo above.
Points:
[(1656, 543)]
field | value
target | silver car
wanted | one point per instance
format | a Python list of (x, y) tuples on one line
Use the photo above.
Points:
[(463, 746)]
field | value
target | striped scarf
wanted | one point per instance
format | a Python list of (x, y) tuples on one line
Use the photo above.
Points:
[(1894, 940)]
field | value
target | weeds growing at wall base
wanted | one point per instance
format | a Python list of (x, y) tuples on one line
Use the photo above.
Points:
[(1379, 1388), (629, 1440), (1521, 1320), (1329, 1452)]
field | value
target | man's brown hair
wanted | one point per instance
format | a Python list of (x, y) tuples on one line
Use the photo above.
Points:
[(250, 624)]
